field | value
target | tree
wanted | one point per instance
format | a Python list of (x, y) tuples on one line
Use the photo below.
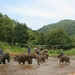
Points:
[(41, 39), (7, 27), (33, 35), (21, 34), (58, 37), (1, 26)]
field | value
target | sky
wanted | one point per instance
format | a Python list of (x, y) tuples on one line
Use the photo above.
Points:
[(37, 13)]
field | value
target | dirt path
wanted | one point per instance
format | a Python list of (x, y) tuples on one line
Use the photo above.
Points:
[(50, 67)]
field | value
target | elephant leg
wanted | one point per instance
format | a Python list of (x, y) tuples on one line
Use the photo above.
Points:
[(65, 61), (3, 60), (60, 61), (0, 62), (38, 61), (19, 62), (29, 62), (8, 59), (23, 62), (44, 59), (68, 60), (47, 56)]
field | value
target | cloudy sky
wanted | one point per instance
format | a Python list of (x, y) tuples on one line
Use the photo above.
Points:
[(37, 13)]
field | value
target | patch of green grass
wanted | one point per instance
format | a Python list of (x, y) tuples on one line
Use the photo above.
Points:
[(18, 50), (70, 52)]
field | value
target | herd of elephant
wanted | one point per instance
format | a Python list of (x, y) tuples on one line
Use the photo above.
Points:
[(23, 57)]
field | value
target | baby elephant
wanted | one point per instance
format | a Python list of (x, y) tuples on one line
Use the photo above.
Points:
[(65, 59)]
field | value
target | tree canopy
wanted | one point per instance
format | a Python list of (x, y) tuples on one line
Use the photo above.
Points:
[(59, 37), (61, 33)]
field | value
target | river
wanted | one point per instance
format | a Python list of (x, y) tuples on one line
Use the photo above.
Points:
[(49, 67)]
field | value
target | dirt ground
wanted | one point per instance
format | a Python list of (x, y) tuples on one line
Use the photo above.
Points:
[(49, 67)]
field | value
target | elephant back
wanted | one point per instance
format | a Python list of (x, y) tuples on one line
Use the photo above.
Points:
[(33, 55), (23, 56), (64, 57)]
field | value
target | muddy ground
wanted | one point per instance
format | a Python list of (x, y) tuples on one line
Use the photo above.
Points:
[(49, 67)]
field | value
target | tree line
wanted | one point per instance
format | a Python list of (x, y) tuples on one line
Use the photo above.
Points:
[(13, 33), (68, 25)]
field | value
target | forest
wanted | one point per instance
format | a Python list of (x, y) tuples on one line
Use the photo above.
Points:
[(61, 35)]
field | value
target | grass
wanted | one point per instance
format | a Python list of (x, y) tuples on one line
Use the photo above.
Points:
[(17, 50), (70, 52), (53, 53)]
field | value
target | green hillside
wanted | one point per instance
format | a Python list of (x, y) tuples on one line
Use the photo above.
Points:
[(68, 25)]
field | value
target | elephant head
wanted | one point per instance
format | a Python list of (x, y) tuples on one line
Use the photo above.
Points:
[(7, 56)]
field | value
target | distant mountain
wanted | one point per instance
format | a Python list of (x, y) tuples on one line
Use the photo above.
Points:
[(68, 25)]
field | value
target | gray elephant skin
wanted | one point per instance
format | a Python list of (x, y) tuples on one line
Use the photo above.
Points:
[(64, 58), (22, 58), (4, 57), (39, 58)]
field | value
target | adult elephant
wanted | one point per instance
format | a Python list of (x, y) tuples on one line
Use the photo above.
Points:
[(45, 52), (64, 58), (37, 51), (4, 57), (22, 58), (39, 58), (1, 58)]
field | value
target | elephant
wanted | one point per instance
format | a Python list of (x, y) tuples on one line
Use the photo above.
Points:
[(37, 51), (64, 58), (39, 58), (15, 57), (0, 58), (45, 52), (29, 56), (4, 57), (22, 58)]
